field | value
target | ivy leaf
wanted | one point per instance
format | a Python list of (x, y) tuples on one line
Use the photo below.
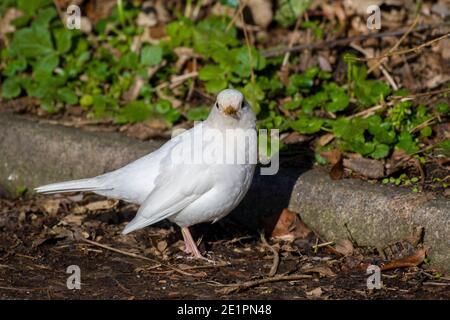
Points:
[(307, 125), (67, 95), (339, 100), (45, 16), (165, 109), (442, 107), (289, 10), (47, 64), (151, 55), (33, 42), (15, 66), (214, 86), (11, 88), (254, 95), (210, 72), (197, 114), (381, 151), (407, 143), (135, 111), (31, 7), (426, 131), (63, 39)]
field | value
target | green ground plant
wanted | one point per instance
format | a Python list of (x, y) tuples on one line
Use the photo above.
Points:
[(65, 67)]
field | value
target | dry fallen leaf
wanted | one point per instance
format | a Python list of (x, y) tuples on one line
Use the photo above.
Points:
[(411, 261), (315, 293), (289, 227), (51, 206), (345, 247), (323, 271), (333, 156), (101, 205)]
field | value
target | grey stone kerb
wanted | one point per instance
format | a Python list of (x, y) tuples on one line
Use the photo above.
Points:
[(32, 154)]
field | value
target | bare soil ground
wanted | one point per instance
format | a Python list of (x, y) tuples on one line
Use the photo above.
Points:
[(41, 236)]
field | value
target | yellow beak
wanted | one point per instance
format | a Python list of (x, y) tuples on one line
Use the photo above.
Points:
[(230, 111)]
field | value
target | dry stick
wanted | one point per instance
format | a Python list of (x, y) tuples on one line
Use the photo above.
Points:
[(276, 256), (247, 42), (253, 283), (343, 41), (137, 256), (291, 43), (396, 45), (237, 14), (405, 51), (382, 68)]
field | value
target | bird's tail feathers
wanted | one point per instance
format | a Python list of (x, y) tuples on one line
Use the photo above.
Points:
[(91, 184)]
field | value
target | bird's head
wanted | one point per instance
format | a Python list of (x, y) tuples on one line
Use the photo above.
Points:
[(230, 103)]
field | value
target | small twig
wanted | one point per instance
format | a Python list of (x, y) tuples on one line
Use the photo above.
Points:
[(247, 42), (396, 45), (230, 288), (137, 256), (276, 256), (236, 15), (405, 51), (382, 68), (321, 245), (291, 43), (342, 41)]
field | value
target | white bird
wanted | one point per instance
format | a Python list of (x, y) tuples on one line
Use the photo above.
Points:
[(167, 184)]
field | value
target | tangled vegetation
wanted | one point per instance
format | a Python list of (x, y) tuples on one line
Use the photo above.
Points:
[(64, 67)]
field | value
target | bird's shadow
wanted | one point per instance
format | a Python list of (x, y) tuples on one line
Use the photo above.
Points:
[(265, 200)]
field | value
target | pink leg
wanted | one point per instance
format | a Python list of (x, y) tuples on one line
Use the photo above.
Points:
[(189, 243)]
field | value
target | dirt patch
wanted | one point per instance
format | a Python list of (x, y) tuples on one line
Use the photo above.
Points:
[(42, 236)]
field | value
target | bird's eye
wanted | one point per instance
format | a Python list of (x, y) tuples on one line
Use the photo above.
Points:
[(216, 105)]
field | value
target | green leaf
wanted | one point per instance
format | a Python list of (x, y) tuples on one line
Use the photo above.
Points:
[(210, 72), (45, 16), (67, 96), (151, 55), (197, 114), (33, 42), (15, 66), (129, 61), (254, 95), (292, 105), (339, 99), (170, 114), (63, 39), (135, 111), (307, 125), (442, 107), (31, 7), (11, 88), (381, 151), (288, 11), (407, 143), (214, 86), (47, 64), (426, 131)]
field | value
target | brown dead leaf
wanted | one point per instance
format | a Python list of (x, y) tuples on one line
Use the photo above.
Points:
[(411, 261), (370, 168), (337, 172), (51, 206), (333, 156), (73, 219), (323, 271), (294, 137), (289, 227), (262, 13), (6, 25), (345, 247), (162, 246), (325, 139), (315, 293), (101, 205)]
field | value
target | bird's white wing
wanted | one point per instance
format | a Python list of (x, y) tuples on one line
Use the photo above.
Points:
[(177, 185), (175, 189)]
